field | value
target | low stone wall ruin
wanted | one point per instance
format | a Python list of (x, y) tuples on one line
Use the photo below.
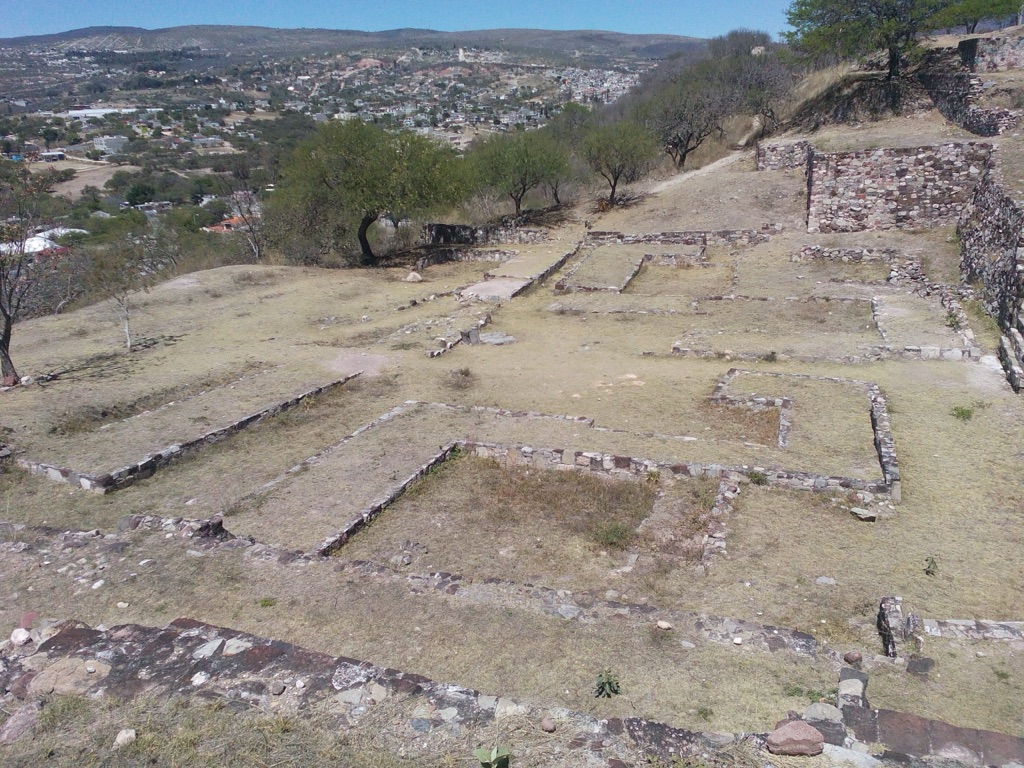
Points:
[(903, 188), (147, 466), (725, 237), (464, 234), (783, 155)]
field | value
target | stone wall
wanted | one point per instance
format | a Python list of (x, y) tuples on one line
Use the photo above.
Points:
[(990, 231), (992, 54), (903, 188), (783, 155), (723, 237), (464, 234), (954, 95), (447, 255)]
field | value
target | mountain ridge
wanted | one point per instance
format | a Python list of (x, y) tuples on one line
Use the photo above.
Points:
[(229, 38)]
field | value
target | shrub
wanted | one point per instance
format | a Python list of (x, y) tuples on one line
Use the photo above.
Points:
[(607, 685), (757, 477), (461, 378), (614, 535)]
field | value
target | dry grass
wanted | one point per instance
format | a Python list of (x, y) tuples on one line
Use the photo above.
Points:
[(683, 281), (90, 417), (736, 198), (560, 529), (755, 426), (179, 731), (911, 131), (961, 490), (607, 267)]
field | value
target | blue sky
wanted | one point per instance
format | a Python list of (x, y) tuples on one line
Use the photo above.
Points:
[(699, 18)]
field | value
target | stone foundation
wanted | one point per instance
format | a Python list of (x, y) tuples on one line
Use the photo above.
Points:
[(147, 466), (724, 237)]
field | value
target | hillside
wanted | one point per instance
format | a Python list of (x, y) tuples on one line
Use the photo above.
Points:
[(245, 40), (740, 454)]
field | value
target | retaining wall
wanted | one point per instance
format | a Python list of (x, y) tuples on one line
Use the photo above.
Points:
[(783, 155), (991, 232), (954, 95), (704, 238), (903, 188), (446, 255), (463, 234), (992, 54)]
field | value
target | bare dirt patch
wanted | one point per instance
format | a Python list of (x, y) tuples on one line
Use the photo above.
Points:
[(472, 517), (88, 173)]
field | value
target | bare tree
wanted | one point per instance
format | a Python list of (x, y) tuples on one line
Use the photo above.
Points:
[(22, 199), (119, 272), (684, 113), (242, 185)]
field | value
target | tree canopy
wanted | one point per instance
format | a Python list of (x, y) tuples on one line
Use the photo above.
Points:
[(351, 174), (861, 27), (970, 13), (515, 163), (620, 152)]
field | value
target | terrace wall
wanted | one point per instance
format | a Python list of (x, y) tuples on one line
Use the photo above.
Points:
[(896, 188)]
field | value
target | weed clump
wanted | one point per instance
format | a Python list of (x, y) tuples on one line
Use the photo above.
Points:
[(460, 378), (757, 477)]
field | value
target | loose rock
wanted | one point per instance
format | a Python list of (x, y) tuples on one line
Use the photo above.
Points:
[(20, 723), (863, 514), (20, 637), (821, 711), (548, 725), (796, 738), (125, 737)]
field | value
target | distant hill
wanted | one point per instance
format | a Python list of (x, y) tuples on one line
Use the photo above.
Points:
[(250, 40)]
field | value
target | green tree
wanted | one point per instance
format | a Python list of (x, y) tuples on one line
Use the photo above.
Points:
[(620, 152), (515, 163), (353, 172), (861, 27), (970, 13)]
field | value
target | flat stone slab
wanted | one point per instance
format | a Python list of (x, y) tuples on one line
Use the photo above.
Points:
[(499, 289)]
